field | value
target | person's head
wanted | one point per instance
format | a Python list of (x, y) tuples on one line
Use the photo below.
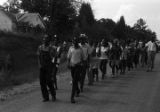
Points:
[(153, 40), (55, 40), (104, 44), (46, 40), (115, 41), (75, 42)]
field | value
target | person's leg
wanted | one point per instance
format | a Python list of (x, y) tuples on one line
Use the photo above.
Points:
[(149, 61), (76, 77), (83, 75), (96, 72), (104, 68), (55, 81), (73, 84), (50, 83), (124, 66), (43, 84), (101, 66), (153, 59)]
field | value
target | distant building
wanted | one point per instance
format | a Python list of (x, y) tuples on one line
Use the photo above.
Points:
[(7, 22), (32, 19), (27, 22)]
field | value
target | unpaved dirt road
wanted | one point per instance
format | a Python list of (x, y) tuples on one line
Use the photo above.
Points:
[(137, 91)]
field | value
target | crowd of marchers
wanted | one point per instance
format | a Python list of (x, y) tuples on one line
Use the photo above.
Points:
[(85, 59)]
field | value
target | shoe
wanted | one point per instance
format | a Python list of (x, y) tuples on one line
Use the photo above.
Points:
[(54, 98), (73, 101), (45, 100)]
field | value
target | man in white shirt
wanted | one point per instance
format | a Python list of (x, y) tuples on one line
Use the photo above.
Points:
[(151, 49), (75, 58)]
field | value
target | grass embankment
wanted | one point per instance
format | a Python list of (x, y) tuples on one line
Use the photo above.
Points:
[(23, 50)]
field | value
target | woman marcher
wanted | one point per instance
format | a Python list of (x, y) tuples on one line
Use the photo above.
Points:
[(45, 65), (75, 59), (104, 58)]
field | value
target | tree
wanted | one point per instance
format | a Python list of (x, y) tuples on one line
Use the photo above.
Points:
[(86, 18), (86, 15), (140, 25), (119, 31), (60, 14), (12, 6)]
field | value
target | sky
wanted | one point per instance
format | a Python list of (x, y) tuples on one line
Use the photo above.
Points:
[(132, 10)]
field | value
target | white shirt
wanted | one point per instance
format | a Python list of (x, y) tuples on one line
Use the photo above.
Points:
[(75, 55), (103, 52), (151, 46)]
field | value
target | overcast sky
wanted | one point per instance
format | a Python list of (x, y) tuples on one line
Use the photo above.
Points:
[(131, 9)]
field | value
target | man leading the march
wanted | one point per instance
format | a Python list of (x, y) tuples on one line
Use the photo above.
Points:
[(44, 59)]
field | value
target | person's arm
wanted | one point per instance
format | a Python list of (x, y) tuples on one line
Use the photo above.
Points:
[(39, 57), (69, 58)]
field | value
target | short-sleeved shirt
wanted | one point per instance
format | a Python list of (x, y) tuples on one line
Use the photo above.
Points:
[(104, 51), (75, 55), (151, 46)]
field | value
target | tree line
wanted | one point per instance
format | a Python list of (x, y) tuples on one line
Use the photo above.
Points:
[(69, 18)]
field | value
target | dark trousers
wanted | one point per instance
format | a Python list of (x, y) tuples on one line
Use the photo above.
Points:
[(95, 73), (130, 63), (151, 59), (114, 64), (103, 67), (54, 75), (75, 72), (46, 81), (83, 71), (122, 66)]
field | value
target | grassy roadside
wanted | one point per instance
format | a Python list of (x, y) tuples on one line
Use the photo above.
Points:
[(23, 49)]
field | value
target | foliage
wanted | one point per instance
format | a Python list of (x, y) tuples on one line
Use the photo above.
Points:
[(120, 29)]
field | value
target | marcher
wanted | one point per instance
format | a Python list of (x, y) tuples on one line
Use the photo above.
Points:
[(104, 58), (143, 55), (44, 60), (123, 59), (56, 55), (85, 66), (90, 56), (114, 55), (151, 49), (75, 59)]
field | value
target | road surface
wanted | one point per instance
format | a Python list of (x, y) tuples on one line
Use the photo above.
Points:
[(137, 91)]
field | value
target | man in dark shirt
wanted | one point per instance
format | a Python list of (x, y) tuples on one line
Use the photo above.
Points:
[(115, 54), (44, 60)]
